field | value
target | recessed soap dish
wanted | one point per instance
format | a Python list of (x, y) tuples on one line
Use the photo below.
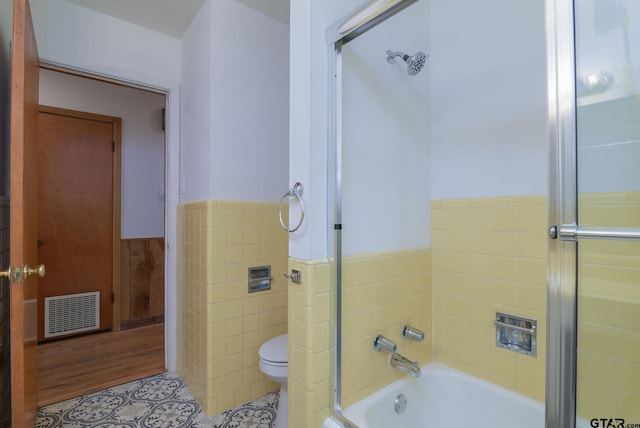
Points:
[(516, 333)]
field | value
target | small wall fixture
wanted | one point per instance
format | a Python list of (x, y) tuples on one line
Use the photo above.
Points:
[(412, 333), (295, 192), (516, 333), (414, 62), (295, 276), (259, 278), (382, 344)]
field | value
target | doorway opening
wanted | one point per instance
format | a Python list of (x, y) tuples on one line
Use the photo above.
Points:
[(137, 294)]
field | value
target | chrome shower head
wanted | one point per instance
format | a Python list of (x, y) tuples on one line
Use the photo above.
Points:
[(414, 63)]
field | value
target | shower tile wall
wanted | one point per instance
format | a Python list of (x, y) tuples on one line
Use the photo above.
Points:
[(220, 325), (382, 292), (489, 254), (609, 311)]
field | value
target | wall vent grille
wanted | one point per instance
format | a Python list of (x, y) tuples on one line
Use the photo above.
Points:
[(73, 313)]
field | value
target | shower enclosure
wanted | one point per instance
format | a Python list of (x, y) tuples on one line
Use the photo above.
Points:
[(594, 292), (484, 170)]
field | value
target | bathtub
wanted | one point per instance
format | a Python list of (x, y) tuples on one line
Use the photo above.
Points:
[(444, 397)]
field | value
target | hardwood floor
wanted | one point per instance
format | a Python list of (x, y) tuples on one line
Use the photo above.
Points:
[(73, 367)]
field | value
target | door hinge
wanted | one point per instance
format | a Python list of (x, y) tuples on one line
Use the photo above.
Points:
[(113, 146), (113, 297)]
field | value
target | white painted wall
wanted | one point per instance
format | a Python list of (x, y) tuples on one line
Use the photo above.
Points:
[(235, 105), (609, 146), (608, 125), (488, 98), (608, 39), (85, 39), (142, 140), (386, 165), (195, 114), (82, 39), (487, 103), (308, 120)]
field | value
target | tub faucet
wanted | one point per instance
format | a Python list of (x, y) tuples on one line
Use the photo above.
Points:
[(397, 361)]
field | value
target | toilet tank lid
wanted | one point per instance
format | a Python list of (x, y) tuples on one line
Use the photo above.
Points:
[(274, 350)]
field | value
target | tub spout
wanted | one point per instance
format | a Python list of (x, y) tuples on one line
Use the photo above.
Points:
[(397, 361)]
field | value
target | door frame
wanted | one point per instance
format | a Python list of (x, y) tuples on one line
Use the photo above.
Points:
[(171, 91), (116, 123)]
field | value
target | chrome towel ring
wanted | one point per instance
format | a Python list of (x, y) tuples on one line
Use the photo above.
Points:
[(295, 191)]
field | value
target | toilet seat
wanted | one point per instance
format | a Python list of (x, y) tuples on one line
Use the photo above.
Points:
[(274, 364), (274, 351)]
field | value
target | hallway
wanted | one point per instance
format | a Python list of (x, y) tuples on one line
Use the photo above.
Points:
[(73, 367)]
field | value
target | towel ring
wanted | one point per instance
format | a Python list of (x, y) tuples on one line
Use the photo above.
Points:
[(295, 191)]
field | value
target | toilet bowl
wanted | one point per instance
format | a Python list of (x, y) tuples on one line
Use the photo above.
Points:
[(274, 364)]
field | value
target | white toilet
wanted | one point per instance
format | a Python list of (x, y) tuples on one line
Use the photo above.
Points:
[(274, 364)]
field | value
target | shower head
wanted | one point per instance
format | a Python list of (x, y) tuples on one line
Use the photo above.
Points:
[(414, 63)]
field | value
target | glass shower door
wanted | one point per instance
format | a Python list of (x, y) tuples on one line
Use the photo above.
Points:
[(608, 212)]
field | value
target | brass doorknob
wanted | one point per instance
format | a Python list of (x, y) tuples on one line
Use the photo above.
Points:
[(27, 271), (5, 273)]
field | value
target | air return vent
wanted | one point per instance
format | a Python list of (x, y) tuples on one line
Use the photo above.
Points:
[(73, 313)]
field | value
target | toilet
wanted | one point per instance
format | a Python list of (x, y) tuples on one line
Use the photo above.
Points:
[(274, 364)]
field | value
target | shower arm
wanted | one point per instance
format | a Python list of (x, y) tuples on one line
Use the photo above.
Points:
[(391, 55)]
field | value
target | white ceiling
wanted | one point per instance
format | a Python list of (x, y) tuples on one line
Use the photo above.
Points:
[(172, 17)]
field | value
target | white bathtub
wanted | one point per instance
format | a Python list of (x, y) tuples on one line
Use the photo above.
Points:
[(444, 397)]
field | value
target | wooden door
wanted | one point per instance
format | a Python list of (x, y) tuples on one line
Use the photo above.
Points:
[(78, 220), (23, 206)]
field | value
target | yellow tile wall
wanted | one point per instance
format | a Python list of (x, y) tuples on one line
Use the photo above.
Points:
[(311, 327), (382, 292), (489, 254), (220, 324), (609, 311)]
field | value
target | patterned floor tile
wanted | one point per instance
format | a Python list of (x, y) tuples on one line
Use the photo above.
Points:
[(161, 401)]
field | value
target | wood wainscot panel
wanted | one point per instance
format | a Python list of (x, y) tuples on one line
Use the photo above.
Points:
[(142, 281)]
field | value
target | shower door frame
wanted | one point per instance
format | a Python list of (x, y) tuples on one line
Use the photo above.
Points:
[(560, 384), (565, 230), (366, 17), (560, 400)]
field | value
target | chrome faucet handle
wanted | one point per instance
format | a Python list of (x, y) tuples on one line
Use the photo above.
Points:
[(381, 343), (412, 333)]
